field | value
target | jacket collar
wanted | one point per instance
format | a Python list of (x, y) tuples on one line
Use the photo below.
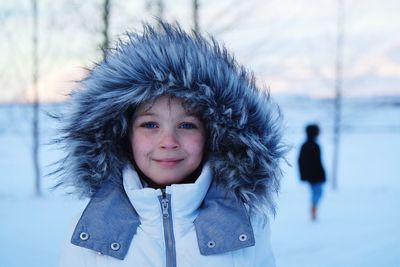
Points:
[(185, 198), (110, 221)]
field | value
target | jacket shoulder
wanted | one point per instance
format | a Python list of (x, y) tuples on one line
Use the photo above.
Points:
[(97, 228)]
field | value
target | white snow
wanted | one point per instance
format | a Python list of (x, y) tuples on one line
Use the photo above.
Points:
[(357, 225)]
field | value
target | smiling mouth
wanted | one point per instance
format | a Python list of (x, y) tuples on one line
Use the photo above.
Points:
[(168, 162)]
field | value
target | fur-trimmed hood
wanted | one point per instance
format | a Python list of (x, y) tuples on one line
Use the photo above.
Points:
[(244, 146)]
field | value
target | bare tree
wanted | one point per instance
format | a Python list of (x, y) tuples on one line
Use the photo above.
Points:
[(237, 10), (338, 91), (106, 23), (156, 7), (35, 104), (196, 25)]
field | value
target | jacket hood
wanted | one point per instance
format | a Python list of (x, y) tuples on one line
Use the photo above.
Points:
[(244, 146)]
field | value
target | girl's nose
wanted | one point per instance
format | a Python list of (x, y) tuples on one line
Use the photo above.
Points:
[(169, 140)]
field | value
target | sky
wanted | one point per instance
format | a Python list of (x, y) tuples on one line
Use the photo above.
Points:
[(290, 46)]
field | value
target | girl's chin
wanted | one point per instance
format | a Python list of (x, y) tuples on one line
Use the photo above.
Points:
[(162, 181)]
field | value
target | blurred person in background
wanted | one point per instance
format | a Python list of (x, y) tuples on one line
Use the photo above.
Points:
[(310, 167)]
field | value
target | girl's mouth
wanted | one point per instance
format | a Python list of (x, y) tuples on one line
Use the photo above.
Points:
[(168, 162)]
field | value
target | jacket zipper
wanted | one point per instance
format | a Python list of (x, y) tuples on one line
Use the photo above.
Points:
[(168, 230)]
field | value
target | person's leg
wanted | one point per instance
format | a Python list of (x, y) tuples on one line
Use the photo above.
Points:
[(316, 194)]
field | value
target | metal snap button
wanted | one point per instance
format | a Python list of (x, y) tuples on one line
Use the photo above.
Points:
[(115, 246), (84, 236), (211, 244), (243, 237)]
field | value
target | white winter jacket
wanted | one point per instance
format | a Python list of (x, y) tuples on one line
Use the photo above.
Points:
[(167, 232)]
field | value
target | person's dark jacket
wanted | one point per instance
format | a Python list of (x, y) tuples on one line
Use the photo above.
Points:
[(310, 165)]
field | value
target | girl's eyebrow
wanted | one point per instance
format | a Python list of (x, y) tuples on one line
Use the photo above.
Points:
[(189, 116), (145, 113)]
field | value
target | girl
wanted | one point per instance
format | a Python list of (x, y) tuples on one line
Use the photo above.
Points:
[(179, 153)]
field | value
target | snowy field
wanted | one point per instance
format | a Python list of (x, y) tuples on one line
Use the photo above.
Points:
[(358, 222)]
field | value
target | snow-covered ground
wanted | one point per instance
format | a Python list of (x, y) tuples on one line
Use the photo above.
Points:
[(358, 222)]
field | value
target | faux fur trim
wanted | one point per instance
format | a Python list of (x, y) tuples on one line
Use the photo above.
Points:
[(244, 147)]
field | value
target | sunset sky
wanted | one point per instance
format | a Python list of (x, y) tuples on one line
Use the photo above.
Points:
[(290, 45)]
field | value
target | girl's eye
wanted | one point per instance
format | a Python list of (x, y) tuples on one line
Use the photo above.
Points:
[(149, 125), (187, 125)]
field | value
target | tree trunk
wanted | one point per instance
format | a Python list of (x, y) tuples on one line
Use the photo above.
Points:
[(338, 93), (35, 103), (156, 7), (160, 5), (106, 23), (196, 16)]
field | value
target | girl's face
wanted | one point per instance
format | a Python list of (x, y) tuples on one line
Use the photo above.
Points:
[(167, 142)]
